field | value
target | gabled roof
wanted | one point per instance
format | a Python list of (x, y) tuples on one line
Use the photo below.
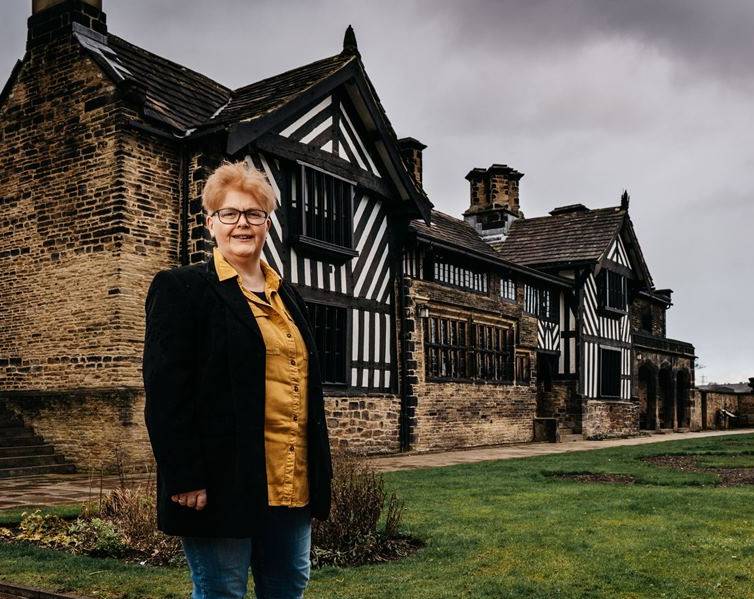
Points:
[(571, 237), (168, 93), (258, 99), (459, 236), (189, 103)]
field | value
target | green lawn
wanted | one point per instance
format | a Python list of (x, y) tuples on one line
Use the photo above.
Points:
[(510, 529)]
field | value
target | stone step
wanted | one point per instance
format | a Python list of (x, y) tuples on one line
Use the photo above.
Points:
[(22, 436), (571, 437), (35, 470), (18, 450), (7, 419), (31, 460)]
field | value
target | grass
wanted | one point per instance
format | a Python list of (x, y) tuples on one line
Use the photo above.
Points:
[(510, 528)]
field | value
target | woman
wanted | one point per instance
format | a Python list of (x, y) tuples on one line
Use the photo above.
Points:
[(234, 405)]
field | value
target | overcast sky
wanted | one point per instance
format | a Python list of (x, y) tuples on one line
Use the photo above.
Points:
[(586, 97)]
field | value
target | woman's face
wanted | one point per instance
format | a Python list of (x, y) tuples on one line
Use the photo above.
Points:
[(242, 241)]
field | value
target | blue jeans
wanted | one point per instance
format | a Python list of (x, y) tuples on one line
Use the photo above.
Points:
[(278, 556)]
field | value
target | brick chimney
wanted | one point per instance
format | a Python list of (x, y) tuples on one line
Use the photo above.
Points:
[(494, 201), (411, 151), (51, 19)]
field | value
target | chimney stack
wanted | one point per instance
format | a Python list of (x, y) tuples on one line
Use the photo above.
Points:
[(411, 152), (494, 201), (51, 19)]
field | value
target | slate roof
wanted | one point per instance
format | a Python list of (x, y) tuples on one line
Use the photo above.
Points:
[(461, 236), (171, 94), (176, 95), (257, 99), (581, 236), (454, 231)]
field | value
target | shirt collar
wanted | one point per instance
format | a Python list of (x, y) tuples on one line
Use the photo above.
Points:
[(226, 271)]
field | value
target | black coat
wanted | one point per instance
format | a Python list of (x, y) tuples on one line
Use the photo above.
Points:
[(204, 378)]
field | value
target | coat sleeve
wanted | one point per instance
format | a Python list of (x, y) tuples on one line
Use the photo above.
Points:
[(169, 367)]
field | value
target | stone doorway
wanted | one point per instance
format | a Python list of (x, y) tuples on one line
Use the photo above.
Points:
[(682, 404), (647, 398), (665, 398)]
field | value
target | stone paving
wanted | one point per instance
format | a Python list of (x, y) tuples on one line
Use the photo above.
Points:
[(55, 489)]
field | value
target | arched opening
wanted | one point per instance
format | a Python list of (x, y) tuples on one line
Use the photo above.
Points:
[(682, 404), (665, 399), (647, 398)]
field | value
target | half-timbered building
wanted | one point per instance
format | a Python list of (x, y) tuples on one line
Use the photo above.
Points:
[(434, 331), (624, 371)]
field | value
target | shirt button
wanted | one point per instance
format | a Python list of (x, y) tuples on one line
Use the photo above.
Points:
[(288, 335), (292, 448), (295, 387), (293, 362), (295, 418)]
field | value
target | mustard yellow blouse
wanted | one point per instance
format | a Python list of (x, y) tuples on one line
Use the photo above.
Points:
[(285, 407)]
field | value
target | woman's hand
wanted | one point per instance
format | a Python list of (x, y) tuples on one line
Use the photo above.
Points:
[(193, 499)]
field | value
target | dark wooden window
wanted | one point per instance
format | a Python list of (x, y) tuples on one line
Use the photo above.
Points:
[(450, 273), (612, 290), (508, 288), (330, 330), (646, 320), (531, 299), (523, 368), (325, 211), (546, 305), (465, 350), (610, 372)]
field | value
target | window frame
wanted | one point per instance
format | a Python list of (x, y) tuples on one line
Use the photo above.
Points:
[(602, 372), (508, 283), (322, 236), (465, 350), (324, 354)]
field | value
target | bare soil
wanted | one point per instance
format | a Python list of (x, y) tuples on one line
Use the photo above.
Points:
[(729, 477)]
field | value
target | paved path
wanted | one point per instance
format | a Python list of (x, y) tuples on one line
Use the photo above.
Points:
[(54, 489), (408, 461)]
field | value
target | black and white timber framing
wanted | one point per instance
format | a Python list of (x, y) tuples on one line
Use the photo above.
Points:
[(604, 332), (362, 284)]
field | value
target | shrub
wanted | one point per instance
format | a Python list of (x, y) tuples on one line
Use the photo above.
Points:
[(352, 534)]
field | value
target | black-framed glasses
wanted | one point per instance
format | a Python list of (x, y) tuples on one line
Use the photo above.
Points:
[(230, 216)]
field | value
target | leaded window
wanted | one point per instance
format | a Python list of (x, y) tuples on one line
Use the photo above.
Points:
[(609, 372), (323, 206), (531, 299), (466, 350), (508, 288), (329, 325)]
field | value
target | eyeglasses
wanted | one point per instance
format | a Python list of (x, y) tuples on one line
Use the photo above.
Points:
[(230, 216)]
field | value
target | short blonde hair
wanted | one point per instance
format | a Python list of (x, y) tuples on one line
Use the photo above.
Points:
[(238, 176)]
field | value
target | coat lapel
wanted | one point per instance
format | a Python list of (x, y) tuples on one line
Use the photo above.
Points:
[(231, 294)]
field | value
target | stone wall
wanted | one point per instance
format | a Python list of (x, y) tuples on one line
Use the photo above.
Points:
[(641, 305), (707, 405), (61, 223), (94, 429), (368, 423), (468, 414), (608, 419)]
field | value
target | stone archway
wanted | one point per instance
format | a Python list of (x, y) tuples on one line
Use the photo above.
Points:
[(665, 398), (647, 392), (682, 404)]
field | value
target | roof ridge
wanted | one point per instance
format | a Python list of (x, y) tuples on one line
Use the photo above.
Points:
[(289, 71)]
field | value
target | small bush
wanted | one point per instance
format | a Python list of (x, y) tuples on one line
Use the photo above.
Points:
[(122, 523), (352, 534)]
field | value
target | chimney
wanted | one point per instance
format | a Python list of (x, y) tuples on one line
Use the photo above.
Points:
[(411, 151), (494, 201), (51, 19)]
